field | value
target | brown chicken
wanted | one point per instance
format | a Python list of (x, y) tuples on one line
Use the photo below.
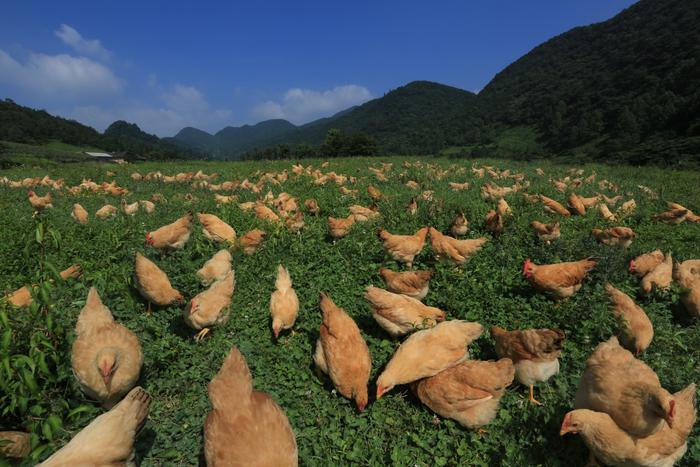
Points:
[(339, 228), (296, 222), (672, 217), (39, 203), (687, 274), (312, 206), (614, 236), (560, 280), (605, 213), (129, 209), (284, 304), (643, 264), (245, 427), (503, 208), (109, 439), (106, 211), (458, 251), (546, 232), (627, 208), (23, 296), (403, 248), (80, 214), (211, 307), (534, 352), (106, 357), (576, 205), (15, 444), (172, 236), (468, 393), (427, 352), (217, 230), (554, 207), (614, 446), (264, 213), (413, 284), (153, 283), (460, 225), (589, 202), (216, 268), (493, 223), (342, 353), (625, 388), (636, 328), (252, 241), (363, 214), (412, 207), (660, 277), (374, 193), (399, 314)]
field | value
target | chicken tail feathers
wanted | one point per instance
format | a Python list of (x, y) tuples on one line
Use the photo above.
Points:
[(232, 382)]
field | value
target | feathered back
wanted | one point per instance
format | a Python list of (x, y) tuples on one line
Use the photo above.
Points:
[(93, 314), (283, 282), (529, 344), (233, 382)]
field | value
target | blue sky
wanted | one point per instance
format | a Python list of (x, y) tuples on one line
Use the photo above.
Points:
[(166, 65)]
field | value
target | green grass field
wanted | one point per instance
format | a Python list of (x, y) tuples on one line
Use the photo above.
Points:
[(397, 430)]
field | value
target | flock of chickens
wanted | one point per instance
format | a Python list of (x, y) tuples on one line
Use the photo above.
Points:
[(635, 423)]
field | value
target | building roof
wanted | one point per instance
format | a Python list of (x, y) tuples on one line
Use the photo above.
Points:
[(99, 155)]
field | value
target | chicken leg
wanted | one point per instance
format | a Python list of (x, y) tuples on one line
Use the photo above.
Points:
[(200, 335), (532, 396)]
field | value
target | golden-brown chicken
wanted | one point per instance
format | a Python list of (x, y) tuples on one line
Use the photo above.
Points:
[(399, 314), (410, 283), (252, 241), (106, 357), (454, 186), (363, 214), (216, 268), (264, 213), (412, 184), (427, 352), (284, 304), (211, 307), (636, 330), (172, 236), (245, 428), (589, 202), (458, 251), (339, 228), (643, 264), (687, 274), (312, 206), (39, 203), (614, 236), (468, 393), (342, 353), (106, 211), (217, 230), (296, 222), (503, 208), (560, 280), (605, 213), (576, 205), (223, 199), (403, 248), (412, 207), (625, 388), (109, 439), (460, 225), (23, 297), (534, 352), (660, 277), (129, 209), (672, 217), (493, 223), (546, 232), (614, 446), (15, 444), (627, 208), (80, 214), (247, 206), (554, 207), (374, 193), (153, 283)]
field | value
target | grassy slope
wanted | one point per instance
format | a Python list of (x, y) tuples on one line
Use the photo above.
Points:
[(50, 153), (397, 429)]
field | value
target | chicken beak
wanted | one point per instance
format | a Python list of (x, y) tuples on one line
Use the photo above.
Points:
[(361, 406), (631, 265), (380, 392), (276, 332)]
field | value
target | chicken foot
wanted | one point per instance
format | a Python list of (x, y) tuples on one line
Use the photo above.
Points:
[(532, 396)]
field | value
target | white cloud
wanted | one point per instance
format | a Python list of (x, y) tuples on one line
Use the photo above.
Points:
[(74, 39), (301, 105), (59, 77)]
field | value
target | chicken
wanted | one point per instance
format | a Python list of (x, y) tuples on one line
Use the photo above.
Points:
[(412, 207), (339, 228), (610, 201), (605, 213), (637, 331), (554, 207), (296, 222), (403, 248), (546, 232), (23, 297), (172, 236), (129, 209), (153, 283), (643, 264), (284, 304), (312, 206), (39, 203), (106, 211), (460, 225), (106, 357), (109, 439), (560, 280), (427, 352), (627, 208), (342, 353), (589, 202), (15, 444), (625, 388), (247, 206), (252, 241), (614, 446), (245, 427), (412, 184), (216, 230), (211, 307), (79, 214), (458, 251), (468, 393), (216, 268), (399, 314), (363, 214), (223, 199), (503, 208), (410, 283), (493, 223), (672, 217), (614, 236), (534, 352), (264, 213), (374, 193), (454, 186), (687, 274), (576, 205), (660, 277)]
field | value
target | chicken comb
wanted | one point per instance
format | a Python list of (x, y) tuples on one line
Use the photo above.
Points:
[(631, 268), (526, 264)]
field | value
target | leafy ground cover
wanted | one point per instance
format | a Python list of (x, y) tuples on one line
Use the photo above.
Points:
[(397, 430)]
